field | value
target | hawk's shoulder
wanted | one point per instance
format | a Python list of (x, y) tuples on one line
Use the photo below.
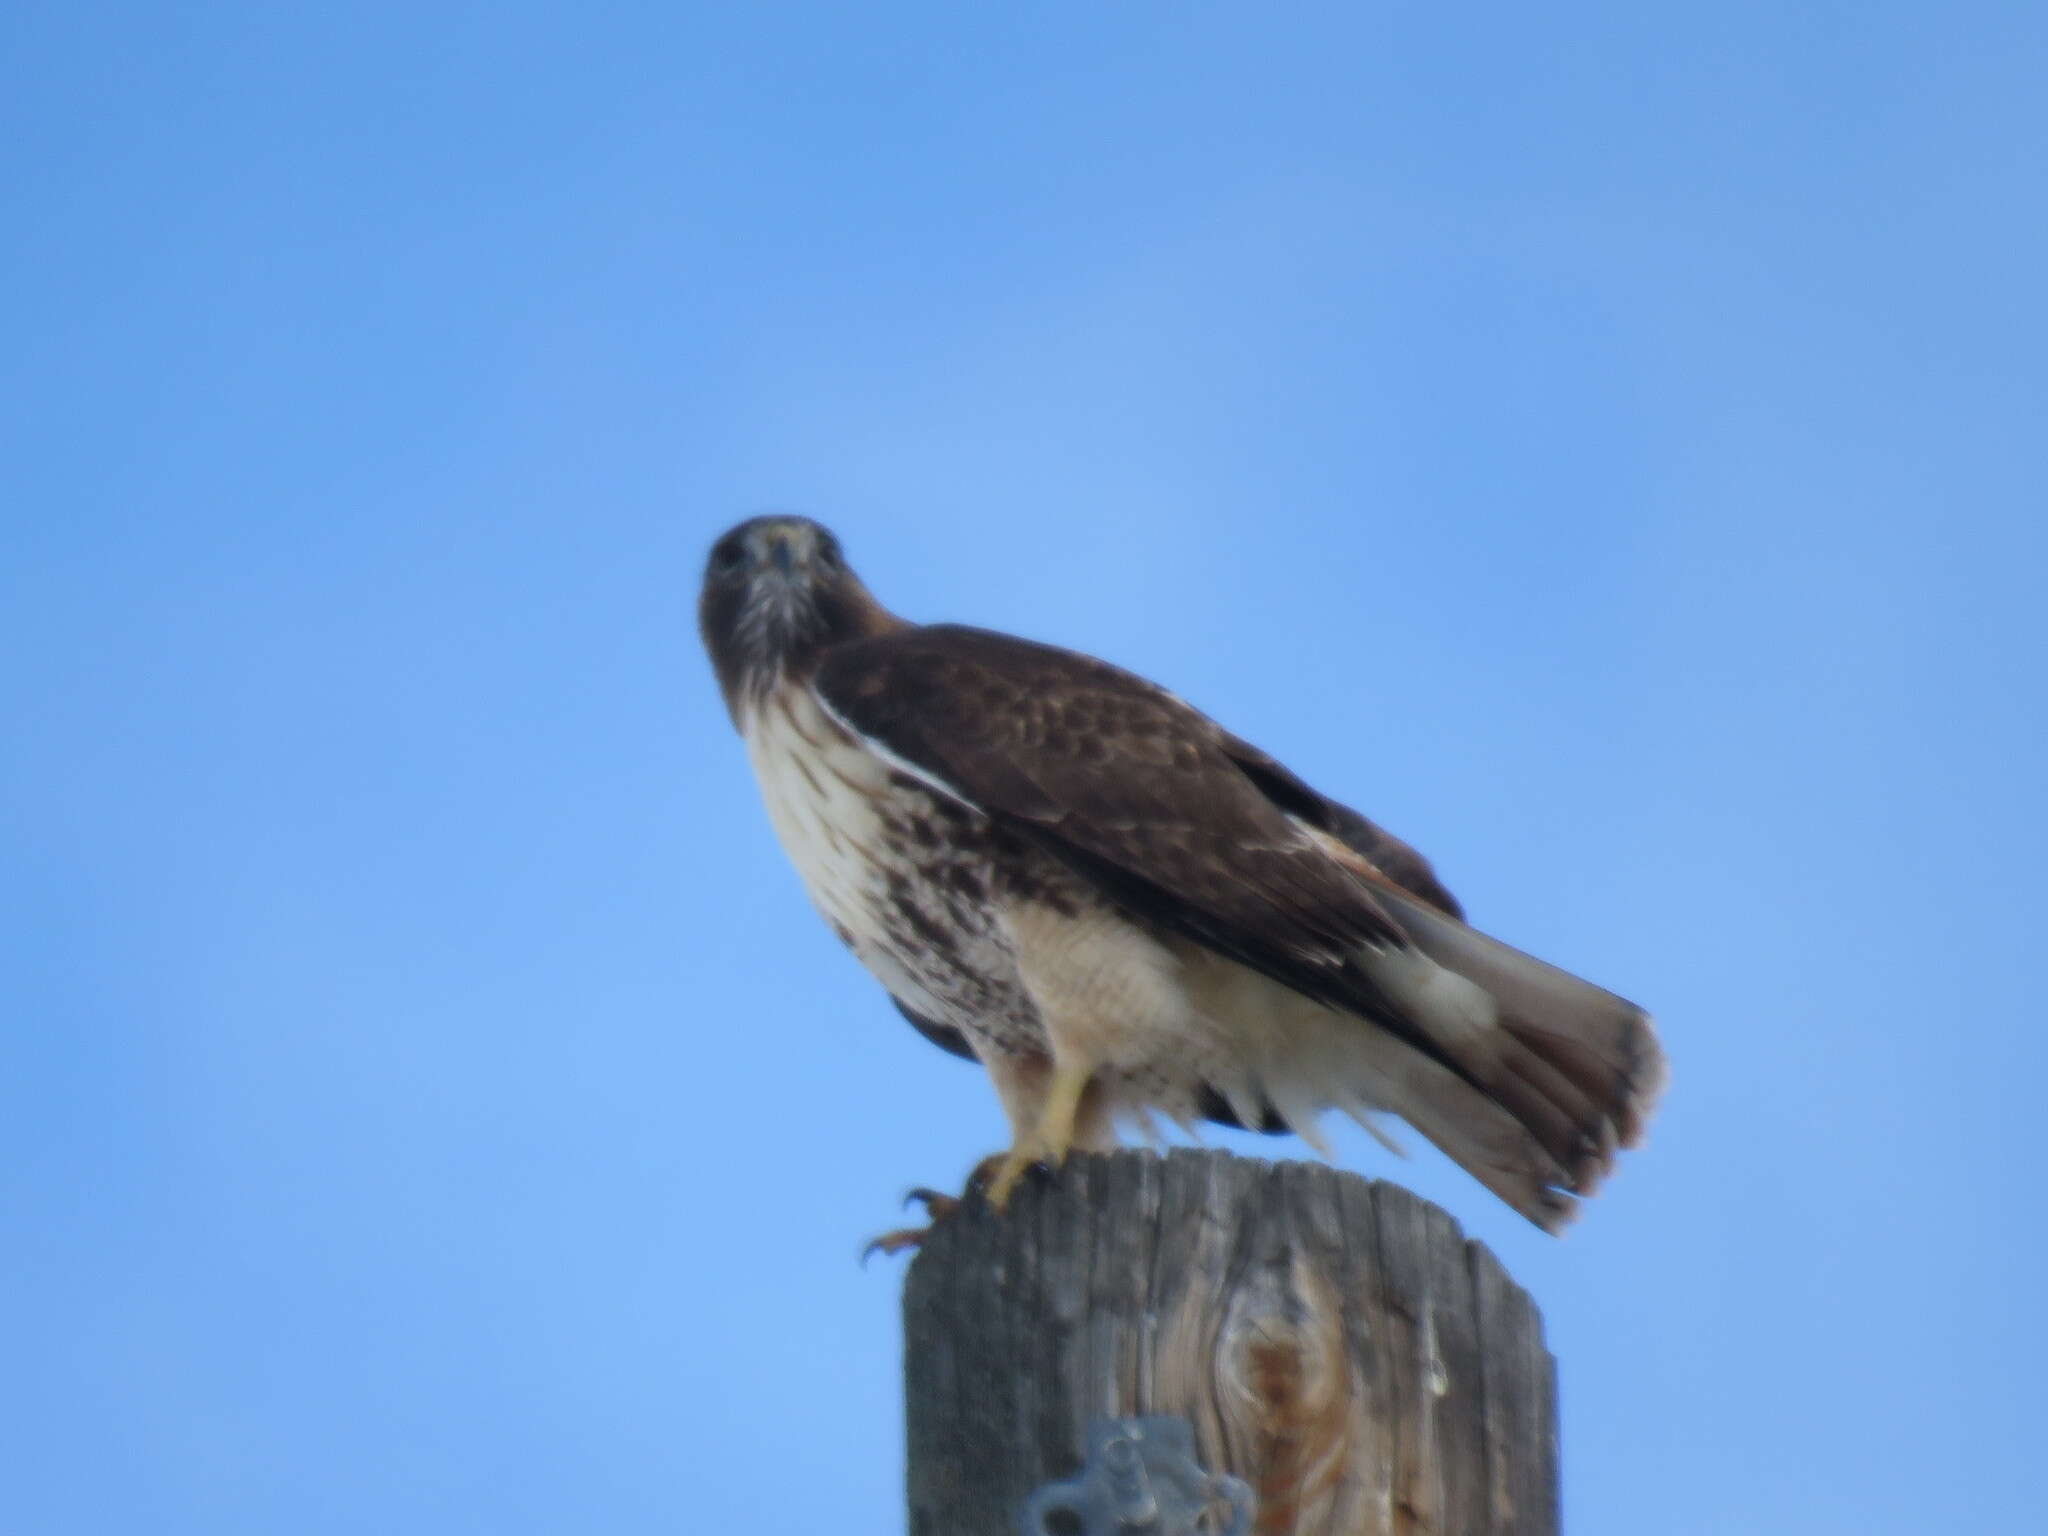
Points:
[(1008, 715)]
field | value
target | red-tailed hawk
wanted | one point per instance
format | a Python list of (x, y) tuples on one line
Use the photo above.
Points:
[(1119, 908)]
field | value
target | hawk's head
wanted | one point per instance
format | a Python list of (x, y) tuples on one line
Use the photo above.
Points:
[(777, 592)]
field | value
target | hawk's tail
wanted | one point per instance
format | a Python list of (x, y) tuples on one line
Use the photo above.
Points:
[(1534, 1079)]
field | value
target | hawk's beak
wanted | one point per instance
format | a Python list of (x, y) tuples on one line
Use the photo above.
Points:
[(781, 555)]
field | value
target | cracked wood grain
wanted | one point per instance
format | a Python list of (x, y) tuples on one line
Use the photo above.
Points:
[(1337, 1344)]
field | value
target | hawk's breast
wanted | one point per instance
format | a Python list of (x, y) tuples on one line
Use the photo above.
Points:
[(904, 874)]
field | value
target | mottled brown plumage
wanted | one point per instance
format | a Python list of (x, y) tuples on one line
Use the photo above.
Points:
[(1118, 779), (1118, 907)]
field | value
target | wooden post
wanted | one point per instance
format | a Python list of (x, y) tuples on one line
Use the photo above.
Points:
[(1337, 1344)]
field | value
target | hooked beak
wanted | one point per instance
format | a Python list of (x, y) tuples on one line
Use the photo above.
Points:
[(781, 555)]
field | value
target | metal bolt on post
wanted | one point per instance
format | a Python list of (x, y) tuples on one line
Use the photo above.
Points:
[(1141, 1479)]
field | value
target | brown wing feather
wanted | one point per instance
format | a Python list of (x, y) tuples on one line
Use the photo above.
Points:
[(869, 677), (1127, 784), (1384, 851)]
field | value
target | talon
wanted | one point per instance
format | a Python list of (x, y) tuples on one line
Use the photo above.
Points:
[(937, 1208), (893, 1243)]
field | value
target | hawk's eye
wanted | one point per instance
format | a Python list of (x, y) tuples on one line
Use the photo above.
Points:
[(828, 554), (728, 559)]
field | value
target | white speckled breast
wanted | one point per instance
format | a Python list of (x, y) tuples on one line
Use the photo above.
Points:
[(904, 874)]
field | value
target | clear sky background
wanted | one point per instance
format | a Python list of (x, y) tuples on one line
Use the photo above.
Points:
[(1603, 443)]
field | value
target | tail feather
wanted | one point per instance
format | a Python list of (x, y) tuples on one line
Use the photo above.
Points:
[(1525, 1076), (1604, 1044), (1577, 1068), (1477, 1132), (1572, 1125), (1302, 1057)]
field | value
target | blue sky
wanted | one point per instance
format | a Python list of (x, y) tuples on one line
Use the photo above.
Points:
[(1603, 444)]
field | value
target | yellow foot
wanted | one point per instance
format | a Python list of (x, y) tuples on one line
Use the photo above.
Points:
[(1011, 1167), (1004, 1172), (1050, 1139)]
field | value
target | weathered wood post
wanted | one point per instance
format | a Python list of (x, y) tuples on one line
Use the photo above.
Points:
[(1337, 1344)]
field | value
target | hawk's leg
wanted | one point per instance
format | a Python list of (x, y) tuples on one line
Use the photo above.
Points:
[(1053, 1134), (1052, 1111)]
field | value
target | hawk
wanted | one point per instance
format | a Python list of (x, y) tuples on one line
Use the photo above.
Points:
[(1121, 910)]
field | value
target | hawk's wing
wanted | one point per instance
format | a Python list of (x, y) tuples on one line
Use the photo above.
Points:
[(1131, 787), (1387, 854)]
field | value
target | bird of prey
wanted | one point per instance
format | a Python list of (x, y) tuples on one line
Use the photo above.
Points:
[(1122, 910)]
